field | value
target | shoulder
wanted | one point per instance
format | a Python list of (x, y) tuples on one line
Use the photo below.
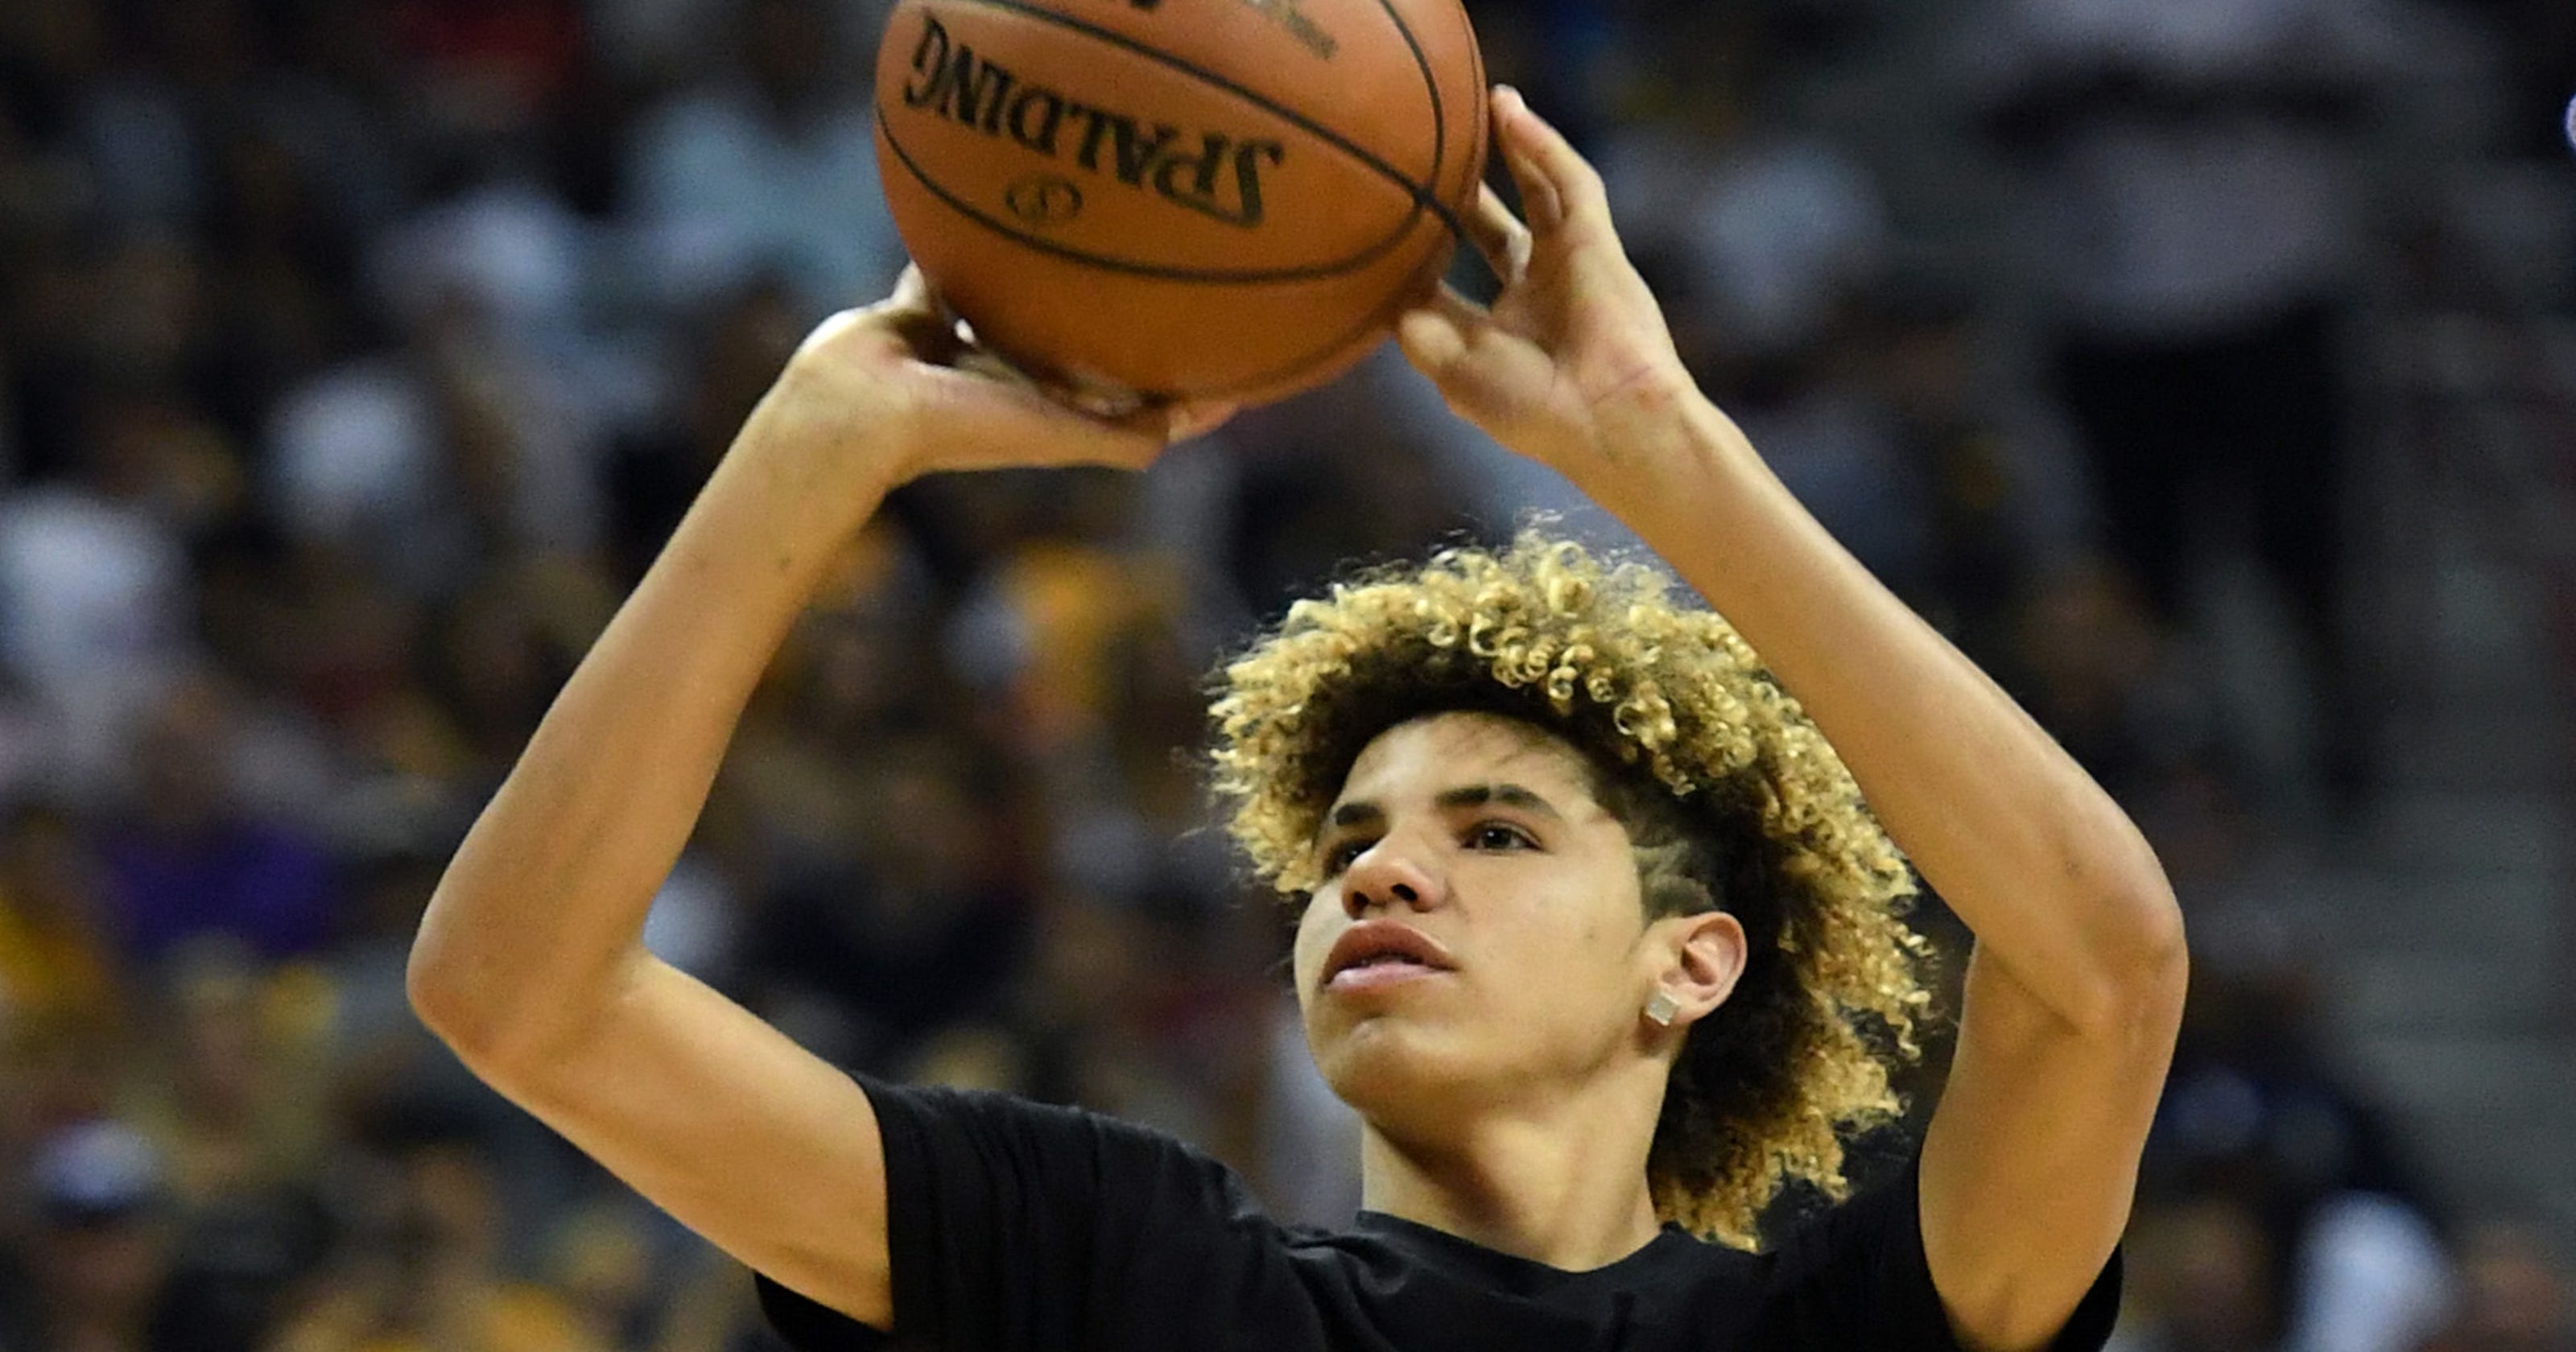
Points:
[(1880, 1216), (976, 1167), (1013, 1225), (1059, 1143)]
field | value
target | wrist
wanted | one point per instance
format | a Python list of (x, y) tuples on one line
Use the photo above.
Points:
[(797, 497), (827, 445), (1664, 444)]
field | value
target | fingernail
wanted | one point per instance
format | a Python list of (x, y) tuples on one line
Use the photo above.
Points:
[(1512, 93)]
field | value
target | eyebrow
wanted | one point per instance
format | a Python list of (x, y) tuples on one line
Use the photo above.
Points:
[(1362, 812)]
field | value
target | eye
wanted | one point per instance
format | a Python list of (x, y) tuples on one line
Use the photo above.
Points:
[(1499, 836), (1343, 854)]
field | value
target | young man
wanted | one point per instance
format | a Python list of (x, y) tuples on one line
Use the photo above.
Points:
[(1594, 923)]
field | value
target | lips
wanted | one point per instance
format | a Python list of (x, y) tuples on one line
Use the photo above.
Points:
[(1376, 953)]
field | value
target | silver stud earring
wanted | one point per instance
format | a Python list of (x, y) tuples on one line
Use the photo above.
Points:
[(1661, 1007)]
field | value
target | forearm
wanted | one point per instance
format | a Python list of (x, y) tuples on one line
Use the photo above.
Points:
[(2054, 879), (545, 901)]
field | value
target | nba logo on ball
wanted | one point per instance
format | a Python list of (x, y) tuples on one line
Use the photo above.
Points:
[(1225, 198)]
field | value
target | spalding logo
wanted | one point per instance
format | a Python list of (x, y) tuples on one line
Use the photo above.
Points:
[(1217, 175)]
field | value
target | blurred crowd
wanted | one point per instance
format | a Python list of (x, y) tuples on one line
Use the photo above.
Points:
[(357, 355)]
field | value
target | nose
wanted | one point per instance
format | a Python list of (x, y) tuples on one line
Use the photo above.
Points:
[(1386, 875)]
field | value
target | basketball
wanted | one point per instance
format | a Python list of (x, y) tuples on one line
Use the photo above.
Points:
[(1181, 198)]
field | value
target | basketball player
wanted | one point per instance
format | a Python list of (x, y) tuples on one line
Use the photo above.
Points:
[(1596, 934)]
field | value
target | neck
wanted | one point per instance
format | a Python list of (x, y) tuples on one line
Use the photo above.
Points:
[(1564, 1186)]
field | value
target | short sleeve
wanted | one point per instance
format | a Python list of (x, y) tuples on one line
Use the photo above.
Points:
[(1013, 1226), (1856, 1277)]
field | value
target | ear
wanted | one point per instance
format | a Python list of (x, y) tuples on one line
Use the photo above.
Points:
[(1708, 955)]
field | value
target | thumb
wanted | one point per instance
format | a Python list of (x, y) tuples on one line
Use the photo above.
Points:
[(1434, 342), (1487, 375), (986, 422)]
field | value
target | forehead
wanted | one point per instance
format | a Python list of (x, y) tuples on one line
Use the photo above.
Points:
[(1422, 755)]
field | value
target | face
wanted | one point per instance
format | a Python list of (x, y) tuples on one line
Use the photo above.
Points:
[(1481, 835)]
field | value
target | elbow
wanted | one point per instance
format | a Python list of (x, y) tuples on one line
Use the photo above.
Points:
[(507, 1021), (485, 1032), (463, 1001), (2162, 977), (2134, 967), (2148, 973), (441, 994)]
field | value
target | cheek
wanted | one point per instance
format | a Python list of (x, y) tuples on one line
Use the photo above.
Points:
[(1315, 934), (1574, 910), (1569, 946)]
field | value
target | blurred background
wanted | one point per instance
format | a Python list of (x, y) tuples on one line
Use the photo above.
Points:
[(2205, 368)]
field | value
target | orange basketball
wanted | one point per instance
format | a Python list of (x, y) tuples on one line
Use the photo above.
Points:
[(1199, 198)]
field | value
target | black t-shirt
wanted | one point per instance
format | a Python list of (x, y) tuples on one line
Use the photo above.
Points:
[(1016, 1227)]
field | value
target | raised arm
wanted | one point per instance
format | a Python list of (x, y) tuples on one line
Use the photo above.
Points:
[(2075, 990), (530, 961)]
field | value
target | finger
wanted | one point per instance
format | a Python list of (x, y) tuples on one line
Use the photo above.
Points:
[(984, 362), (1196, 418), (1015, 418), (1481, 368), (1109, 403), (1499, 236), (1172, 421), (1541, 157), (1436, 336), (1098, 425), (912, 290), (915, 290), (1104, 404), (1539, 201), (1433, 340), (1459, 306), (913, 312), (929, 335)]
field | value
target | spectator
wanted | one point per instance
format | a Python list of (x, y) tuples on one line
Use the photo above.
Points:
[(771, 170), (189, 858), (354, 357), (908, 913), (2204, 1280), (55, 962), (101, 1247), (93, 592), (2194, 223), (2255, 1111), (2516, 1295), (424, 1273)]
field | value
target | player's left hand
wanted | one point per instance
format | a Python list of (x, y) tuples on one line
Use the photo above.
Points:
[(1573, 362)]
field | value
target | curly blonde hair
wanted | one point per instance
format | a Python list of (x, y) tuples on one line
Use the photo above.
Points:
[(1731, 797)]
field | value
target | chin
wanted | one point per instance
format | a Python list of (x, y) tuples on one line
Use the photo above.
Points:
[(1388, 1069)]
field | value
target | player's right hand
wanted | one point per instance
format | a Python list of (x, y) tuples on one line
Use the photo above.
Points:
[(895, 391), (1573, 365)]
